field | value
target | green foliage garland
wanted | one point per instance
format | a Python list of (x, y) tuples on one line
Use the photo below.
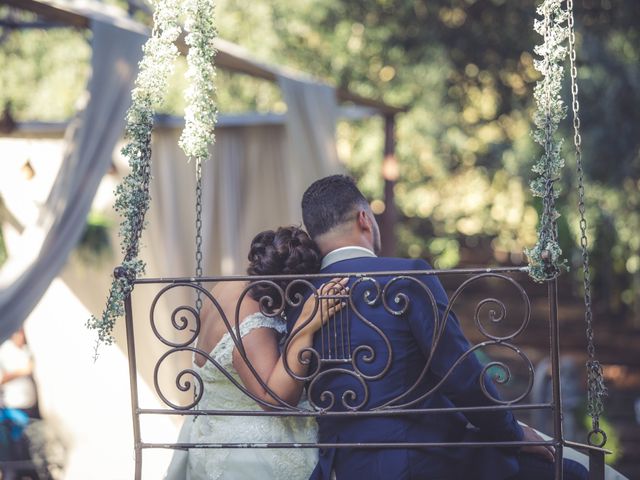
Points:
[(545, 258), (132, 196)]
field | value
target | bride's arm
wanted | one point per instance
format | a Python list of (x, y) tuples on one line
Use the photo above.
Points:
[(261, 347)]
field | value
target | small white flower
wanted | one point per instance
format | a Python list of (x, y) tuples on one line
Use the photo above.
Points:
[(201, 112)]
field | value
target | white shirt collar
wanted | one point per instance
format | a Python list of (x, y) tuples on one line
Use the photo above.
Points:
[(345, 253)]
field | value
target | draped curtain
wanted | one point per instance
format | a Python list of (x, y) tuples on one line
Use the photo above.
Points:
[(312, 112), (90, 140), (254, 181)]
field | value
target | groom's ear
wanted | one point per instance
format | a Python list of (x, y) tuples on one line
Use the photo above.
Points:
[(363, 220)]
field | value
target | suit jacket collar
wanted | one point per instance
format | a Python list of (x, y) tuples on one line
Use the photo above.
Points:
[(345, 253)]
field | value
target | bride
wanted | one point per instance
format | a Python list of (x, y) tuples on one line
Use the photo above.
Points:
[(288, 250)]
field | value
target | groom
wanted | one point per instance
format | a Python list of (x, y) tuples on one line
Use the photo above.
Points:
[(337, 216)]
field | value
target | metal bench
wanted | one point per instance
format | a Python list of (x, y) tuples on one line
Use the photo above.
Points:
[(492, 305)]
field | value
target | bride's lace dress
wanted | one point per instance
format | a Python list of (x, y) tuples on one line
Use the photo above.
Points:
[(243, 463)]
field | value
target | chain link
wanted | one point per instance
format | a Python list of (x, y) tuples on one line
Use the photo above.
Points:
[(595, 378), (198, 162)]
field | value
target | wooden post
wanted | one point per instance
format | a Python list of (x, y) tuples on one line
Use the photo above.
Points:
[(390, 172)]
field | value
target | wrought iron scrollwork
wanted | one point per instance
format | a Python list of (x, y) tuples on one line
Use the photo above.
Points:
[(498, 313), (338, 355), (501, 375), (180, 323), (365, 353), (181, 384), (441, 317), (327, 397)]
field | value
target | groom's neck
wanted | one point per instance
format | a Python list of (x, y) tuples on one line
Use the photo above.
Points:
[(333, 240)]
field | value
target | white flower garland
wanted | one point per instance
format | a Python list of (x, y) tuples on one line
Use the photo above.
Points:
[(550, 110), (200, 113), (132, 196)]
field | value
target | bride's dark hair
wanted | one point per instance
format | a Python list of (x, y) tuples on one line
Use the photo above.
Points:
[(285, 251)]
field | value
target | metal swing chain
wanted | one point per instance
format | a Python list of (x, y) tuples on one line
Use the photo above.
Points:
[(198, 247), (198, 230), (595, 378)]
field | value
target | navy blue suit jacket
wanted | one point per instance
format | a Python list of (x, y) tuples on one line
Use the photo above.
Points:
[(411, 338)]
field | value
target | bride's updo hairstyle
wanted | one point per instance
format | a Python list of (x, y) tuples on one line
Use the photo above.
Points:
[(286, 251)]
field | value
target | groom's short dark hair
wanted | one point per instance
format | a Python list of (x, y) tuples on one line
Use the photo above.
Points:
[(328, 202)]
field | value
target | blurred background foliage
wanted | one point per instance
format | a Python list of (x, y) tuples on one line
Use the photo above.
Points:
[(465, 70)]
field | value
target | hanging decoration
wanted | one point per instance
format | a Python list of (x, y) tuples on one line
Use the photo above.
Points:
[(545, 258), (200, 113), (132, 195)]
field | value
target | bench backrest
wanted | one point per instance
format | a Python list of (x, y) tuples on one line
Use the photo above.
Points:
[(492, 305)]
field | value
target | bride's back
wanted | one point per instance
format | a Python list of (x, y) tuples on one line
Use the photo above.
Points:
[(213, 327), (220, 393)]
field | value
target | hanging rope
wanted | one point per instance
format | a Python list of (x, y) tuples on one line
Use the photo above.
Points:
[(596, 389), (545, 258)]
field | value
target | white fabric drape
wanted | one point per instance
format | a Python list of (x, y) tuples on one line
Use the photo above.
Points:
[(244, 192), (90, 140), (253, 181), (312, 112)]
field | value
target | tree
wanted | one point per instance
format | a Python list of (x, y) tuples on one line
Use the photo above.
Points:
[(465, 69)]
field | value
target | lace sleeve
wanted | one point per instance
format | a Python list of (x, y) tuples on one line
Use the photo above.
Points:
[(224, 349), (259, 320)]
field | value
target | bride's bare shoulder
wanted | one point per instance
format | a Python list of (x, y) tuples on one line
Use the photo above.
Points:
[(229, 293)]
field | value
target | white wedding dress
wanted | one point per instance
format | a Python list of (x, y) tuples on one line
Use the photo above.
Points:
[(246, 463)]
